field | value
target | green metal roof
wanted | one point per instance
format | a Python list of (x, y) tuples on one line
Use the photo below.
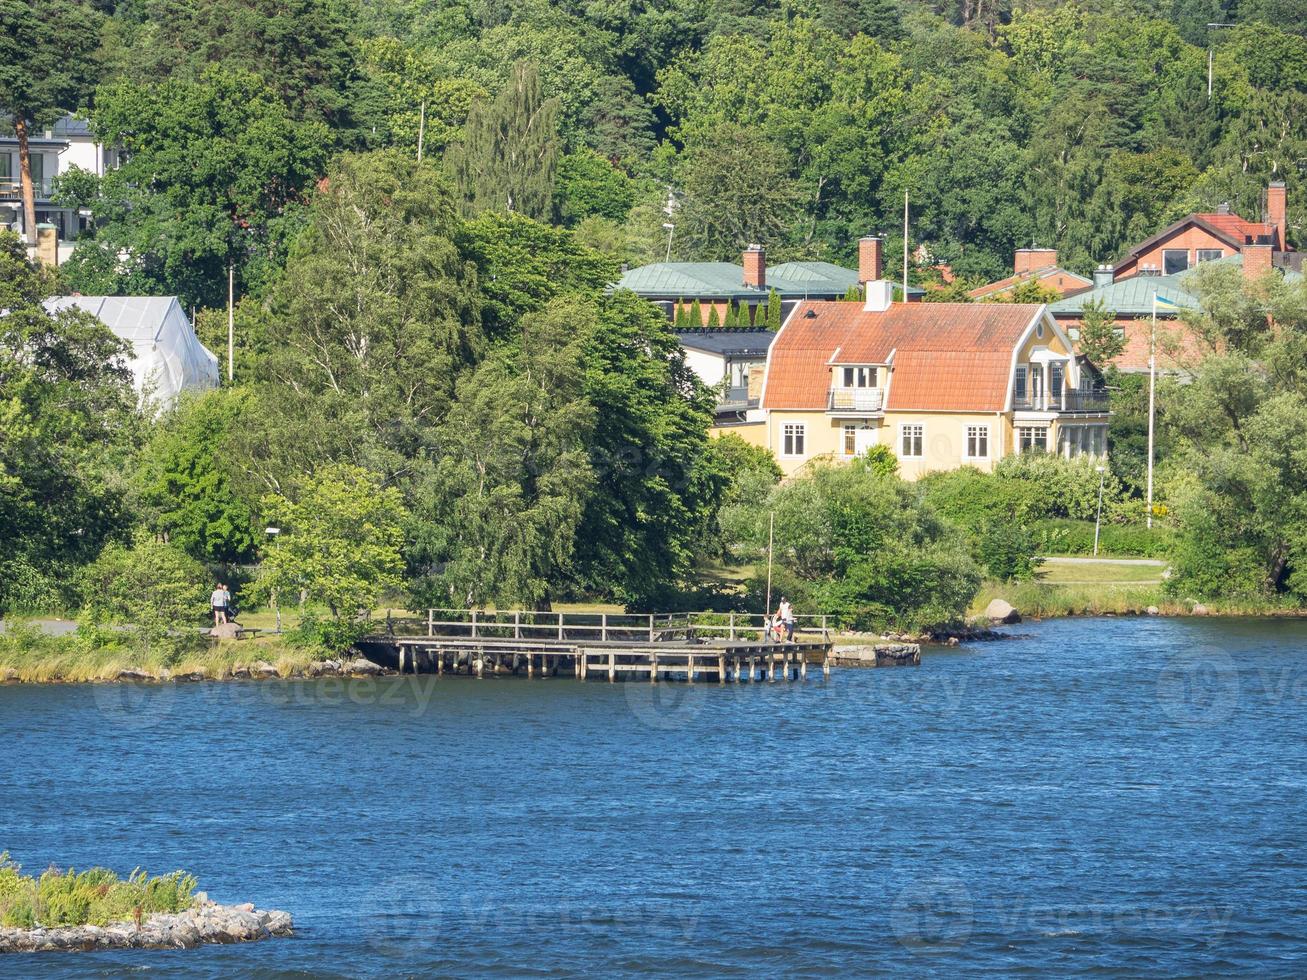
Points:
[(725, 280), (1134, 296)]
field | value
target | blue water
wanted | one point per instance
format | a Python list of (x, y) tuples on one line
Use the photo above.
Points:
[(1101, 797)]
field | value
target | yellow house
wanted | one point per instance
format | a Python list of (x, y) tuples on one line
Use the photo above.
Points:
[(943, 385)]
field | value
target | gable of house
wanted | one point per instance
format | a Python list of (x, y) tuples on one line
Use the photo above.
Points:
[(945, 357)]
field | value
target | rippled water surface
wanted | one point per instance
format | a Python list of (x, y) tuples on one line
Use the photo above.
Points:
[(1110, 797)]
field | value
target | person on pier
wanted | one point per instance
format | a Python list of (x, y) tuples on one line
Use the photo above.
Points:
[(785, 616)]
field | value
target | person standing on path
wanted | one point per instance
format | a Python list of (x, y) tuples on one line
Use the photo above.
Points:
[(219, 601)]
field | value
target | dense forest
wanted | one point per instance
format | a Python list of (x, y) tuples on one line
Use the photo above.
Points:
[(1083, 125), (420, 204)]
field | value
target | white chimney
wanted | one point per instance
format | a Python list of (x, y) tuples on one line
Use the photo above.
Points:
[(880, 294)]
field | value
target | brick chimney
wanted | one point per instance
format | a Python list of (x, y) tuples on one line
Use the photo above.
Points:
[(871, 259), (1257, 260), (755, 267), (1277, 211), (1030, 259)]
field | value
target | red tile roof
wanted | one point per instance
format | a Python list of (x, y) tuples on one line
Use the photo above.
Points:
[(947, 356), (1237, 227), (1047, 272)]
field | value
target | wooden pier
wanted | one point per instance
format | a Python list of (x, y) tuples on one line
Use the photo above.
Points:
[(721, 647)]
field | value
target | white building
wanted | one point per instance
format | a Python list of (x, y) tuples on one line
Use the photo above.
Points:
[(167, 357), (55, 150)]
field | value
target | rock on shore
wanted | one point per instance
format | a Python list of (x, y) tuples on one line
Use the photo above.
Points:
[(207, 922), (878, 655)]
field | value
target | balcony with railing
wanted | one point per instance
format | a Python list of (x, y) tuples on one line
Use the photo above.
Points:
[(736, 399), (11, 188), (1073, 401), (856, 401)]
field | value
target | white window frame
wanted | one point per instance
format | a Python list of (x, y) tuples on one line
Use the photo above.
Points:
[(794, 436), (920, 437), (1033, 430), (1175, 251), (975, 432), (1209, 255), (858, 377), (849, 440)]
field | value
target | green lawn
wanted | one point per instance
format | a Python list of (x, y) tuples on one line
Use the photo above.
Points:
[(1105, 573)]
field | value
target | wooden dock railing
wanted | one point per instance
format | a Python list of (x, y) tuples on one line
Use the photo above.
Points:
[(524, 624)]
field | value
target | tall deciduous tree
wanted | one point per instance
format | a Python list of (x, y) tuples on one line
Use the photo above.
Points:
[(509, 152), (215, 175), (499, 514), (186, 490), (376, 315), (340, 541), (47, 50), (652, 484), (1242, 512), (737, 190), (68, 424)]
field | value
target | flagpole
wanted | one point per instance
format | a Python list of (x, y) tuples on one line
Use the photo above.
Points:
[(1152, 401)]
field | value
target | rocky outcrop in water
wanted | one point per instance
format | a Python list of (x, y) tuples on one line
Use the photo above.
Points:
[(207, 922), (878, 655)]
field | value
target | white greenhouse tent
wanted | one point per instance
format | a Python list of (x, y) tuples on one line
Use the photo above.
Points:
[(167, 358)]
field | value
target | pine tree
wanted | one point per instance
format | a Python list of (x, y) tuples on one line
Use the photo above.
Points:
[(696, 314), (732, 318), (773, 310), (681, 320), (853, 294), (509, 152), (714, 321), (47, 65)]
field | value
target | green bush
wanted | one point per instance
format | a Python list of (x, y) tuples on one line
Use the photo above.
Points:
[(1060, 487), (971, 498), (332, 635), (97, 896), (1068, 537), (859, 546), (1203, 568), (1007, 551), (159, 593)]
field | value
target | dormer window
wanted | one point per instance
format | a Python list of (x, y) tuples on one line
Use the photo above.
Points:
[(859, 377)]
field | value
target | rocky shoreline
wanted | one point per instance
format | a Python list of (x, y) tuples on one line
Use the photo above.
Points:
[(205, 923), (259, 670)]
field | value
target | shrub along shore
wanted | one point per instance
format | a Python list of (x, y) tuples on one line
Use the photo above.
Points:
[(95, 909)]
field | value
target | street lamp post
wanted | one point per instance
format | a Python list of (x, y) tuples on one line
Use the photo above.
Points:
[(1098, 521), (671, 228), (275, 534)]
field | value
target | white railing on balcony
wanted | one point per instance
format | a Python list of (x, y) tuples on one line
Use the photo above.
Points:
[(857, 399), (11, 188)]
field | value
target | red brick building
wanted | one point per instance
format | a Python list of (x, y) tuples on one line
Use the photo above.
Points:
[(1207, 237), (1037, 265)]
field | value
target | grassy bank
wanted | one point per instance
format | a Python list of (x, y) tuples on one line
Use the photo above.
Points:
[(95, 897), (33, 658), (1043, 599)]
